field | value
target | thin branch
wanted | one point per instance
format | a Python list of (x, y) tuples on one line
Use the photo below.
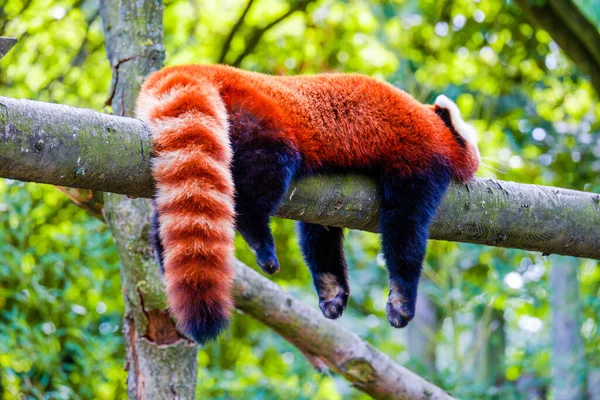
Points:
[(327, 343), (90, 201), (69, 146), (559, 26), (80, 55), (258, 33), (236, 27)]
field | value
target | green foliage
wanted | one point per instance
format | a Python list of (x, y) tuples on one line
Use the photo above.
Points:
[(59, 285), (538, 122)]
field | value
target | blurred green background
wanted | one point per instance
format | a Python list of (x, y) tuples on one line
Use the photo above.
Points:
[(489, 316)]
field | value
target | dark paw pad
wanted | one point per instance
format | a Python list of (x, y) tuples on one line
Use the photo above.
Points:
[(399, 314), (267, 260), (334, 308), (269, 266)]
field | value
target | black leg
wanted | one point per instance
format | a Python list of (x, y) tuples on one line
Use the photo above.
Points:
[(324, 254), (407, 207), (264, 164), (155, 239)]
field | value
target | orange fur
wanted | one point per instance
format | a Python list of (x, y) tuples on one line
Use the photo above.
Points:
[(188, 121), (346, 121)]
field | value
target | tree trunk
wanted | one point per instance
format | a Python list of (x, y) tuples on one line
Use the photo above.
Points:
[(422, 330), (492, 344), (593, 383), (529, 387), (568, 359), (161, 363)]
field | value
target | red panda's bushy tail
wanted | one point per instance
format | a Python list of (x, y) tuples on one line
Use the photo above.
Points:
[(188, 121)]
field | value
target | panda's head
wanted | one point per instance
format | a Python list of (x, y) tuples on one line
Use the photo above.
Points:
[(466, 157)]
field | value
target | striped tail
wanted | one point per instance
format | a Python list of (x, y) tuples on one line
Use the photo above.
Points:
[(195, 196)]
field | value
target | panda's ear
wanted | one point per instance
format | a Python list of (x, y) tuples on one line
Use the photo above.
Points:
[(465, 130)]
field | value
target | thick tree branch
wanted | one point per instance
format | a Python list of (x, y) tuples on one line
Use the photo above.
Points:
[(66, 146), (571, 30), (319, 338)]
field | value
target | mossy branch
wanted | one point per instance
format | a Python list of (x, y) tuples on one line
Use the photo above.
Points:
[(67, 146)]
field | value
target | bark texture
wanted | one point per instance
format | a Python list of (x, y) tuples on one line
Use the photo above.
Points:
[(568, 358), (161, 363), (325, 342), (51, 143), (67, 146)]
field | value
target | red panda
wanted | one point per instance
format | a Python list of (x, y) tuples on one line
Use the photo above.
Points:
[(227, 144)]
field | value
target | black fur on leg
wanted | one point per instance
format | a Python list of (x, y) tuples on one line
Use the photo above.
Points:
[(323, 252), (407, 208), (264, 164), (155, 239)]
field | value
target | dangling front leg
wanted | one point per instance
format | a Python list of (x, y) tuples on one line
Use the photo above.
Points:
[(264, 164), (408, 204), (262, 175), (323, 252)]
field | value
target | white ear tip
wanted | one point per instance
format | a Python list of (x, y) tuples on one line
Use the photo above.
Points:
[(465, 130), (443, 101)]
